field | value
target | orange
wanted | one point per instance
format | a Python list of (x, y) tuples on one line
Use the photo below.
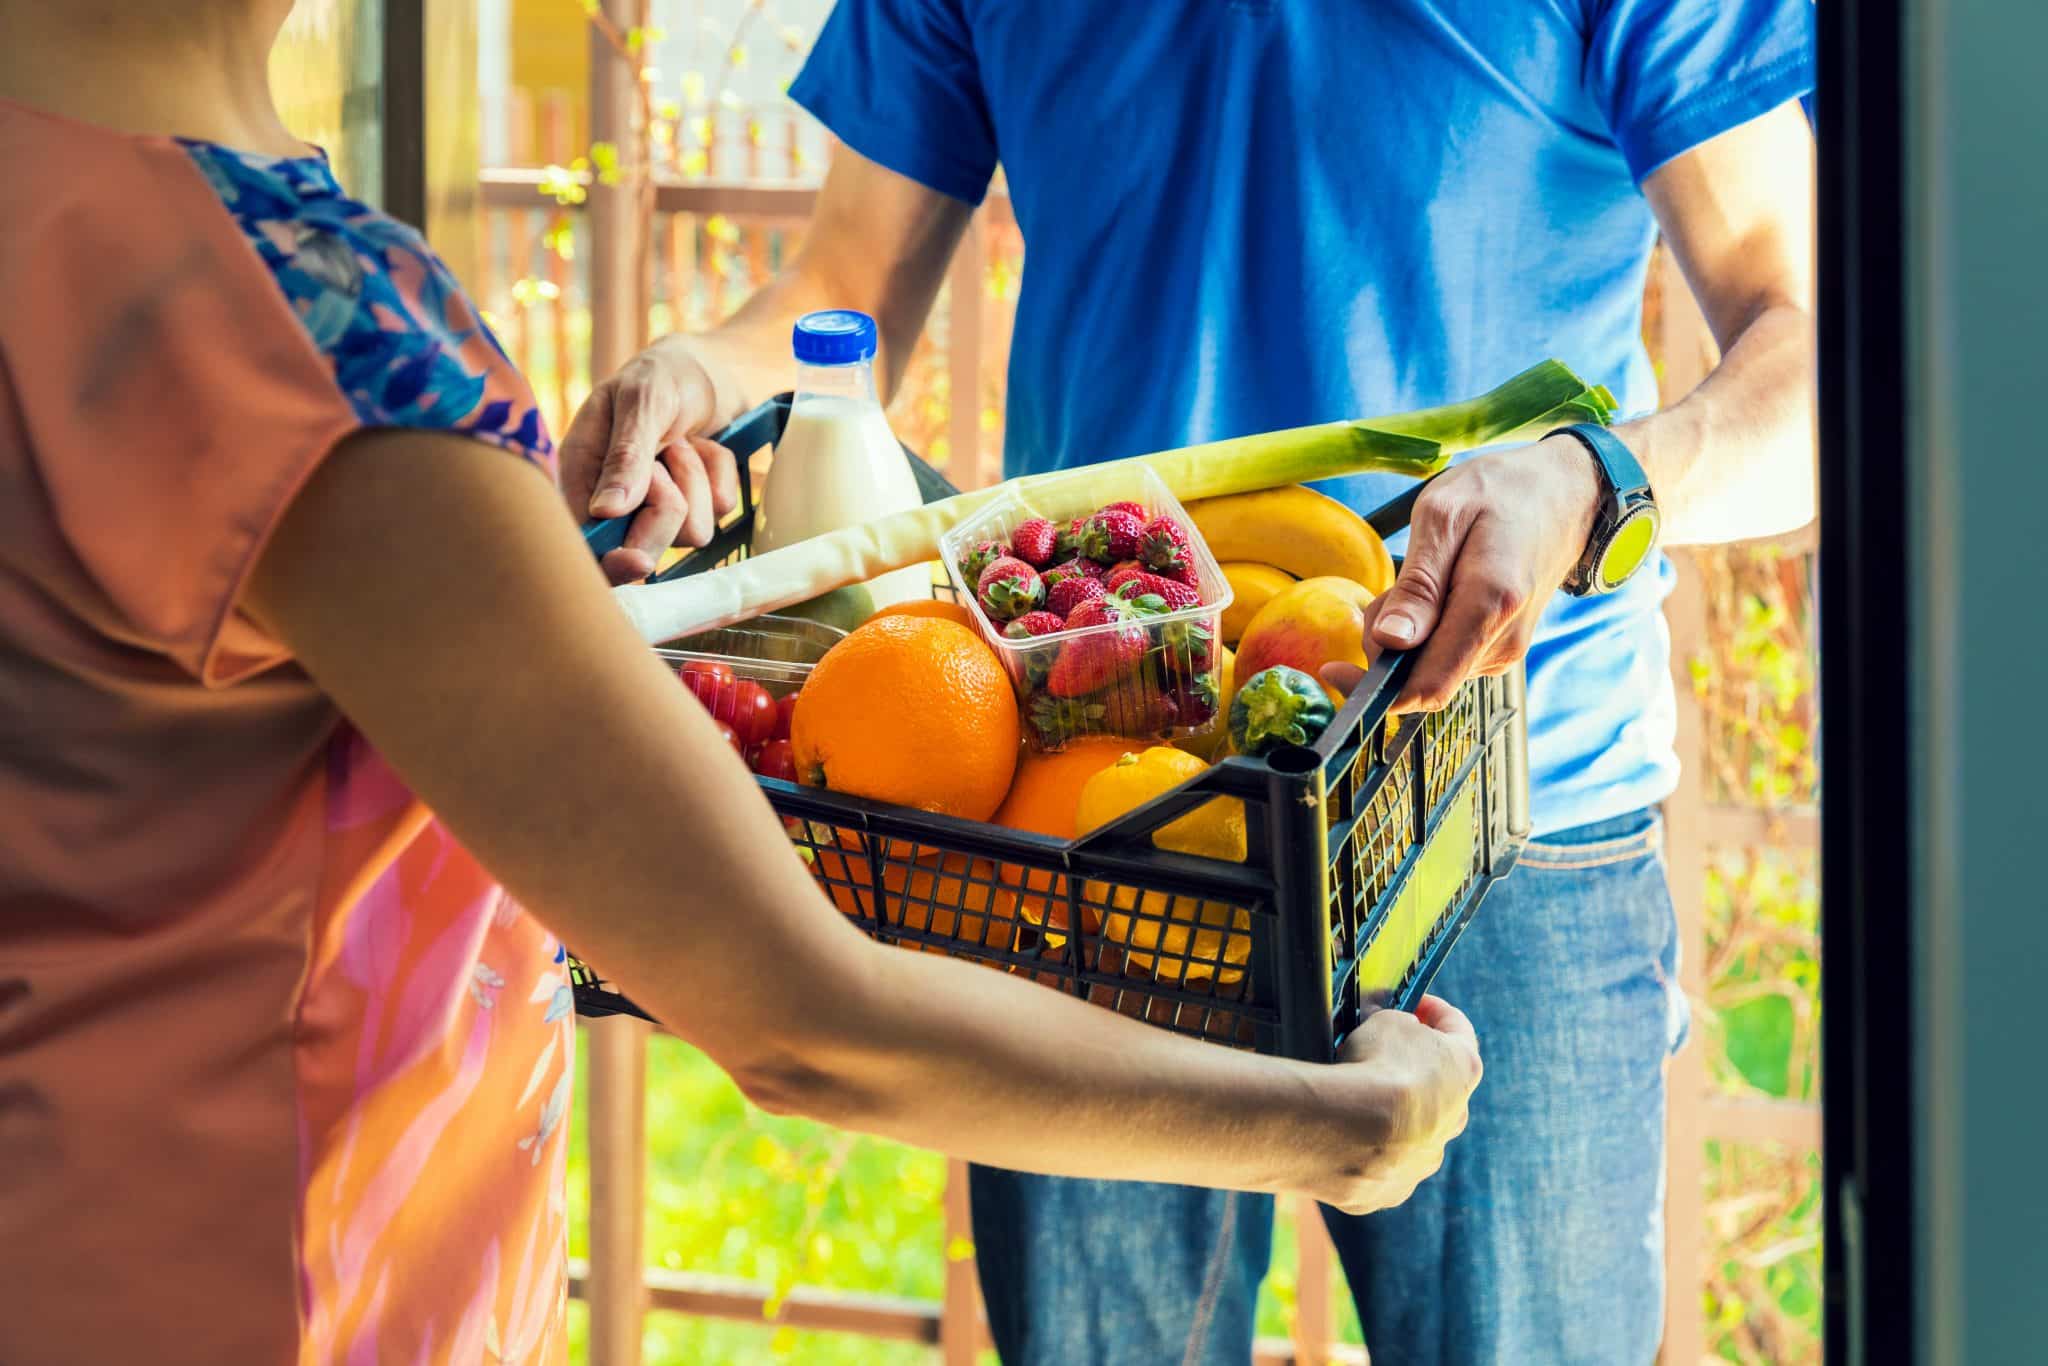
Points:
[(910, 710), (1047, 789), (937, 608), (1043, 798), (947, 894), (1307, 626)]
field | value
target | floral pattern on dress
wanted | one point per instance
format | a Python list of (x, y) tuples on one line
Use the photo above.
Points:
[(407, 347)]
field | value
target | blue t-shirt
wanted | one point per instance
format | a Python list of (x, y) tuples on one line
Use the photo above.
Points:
[(1242, 215)]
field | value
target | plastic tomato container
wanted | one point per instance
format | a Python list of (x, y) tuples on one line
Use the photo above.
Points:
[(776, 652), (741, 672), (1175, 686)]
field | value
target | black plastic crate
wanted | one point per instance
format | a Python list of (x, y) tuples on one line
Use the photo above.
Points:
[(1368, 853)]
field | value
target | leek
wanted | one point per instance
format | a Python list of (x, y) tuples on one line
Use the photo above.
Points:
[(1417, 444)]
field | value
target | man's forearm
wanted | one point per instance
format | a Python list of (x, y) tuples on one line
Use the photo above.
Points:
[(747, 357), (1734, 459), (877, 242)]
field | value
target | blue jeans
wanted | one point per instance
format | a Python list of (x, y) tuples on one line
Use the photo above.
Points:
[(1540, 1240)]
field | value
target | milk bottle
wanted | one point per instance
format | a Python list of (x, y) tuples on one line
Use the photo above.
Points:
[(838, 464)]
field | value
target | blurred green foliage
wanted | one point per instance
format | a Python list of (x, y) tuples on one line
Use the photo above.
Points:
[(781, 1202), (1760, 1023)]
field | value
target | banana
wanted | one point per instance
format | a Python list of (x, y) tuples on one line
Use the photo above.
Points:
[(1251, 586), (1296, 529)]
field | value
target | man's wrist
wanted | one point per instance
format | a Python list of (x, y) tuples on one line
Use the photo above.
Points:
[(1583, 492), (1626, 521)]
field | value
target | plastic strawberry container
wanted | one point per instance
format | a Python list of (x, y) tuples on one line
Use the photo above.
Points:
[(1173, 686)]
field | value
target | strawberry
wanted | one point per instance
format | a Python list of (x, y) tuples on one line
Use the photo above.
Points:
[(1070, 591), (1092, 662), (1068, 543), (1035, 624), (1187, 648), (1035, 542), (1059, 719), (1166, 549), (1184, 647), (1136, 510), (1173, 592), (978, 557), (1037, 663), (1101, 612), (1111, 536), (1136, 708), (1194, 698), (1008, 589), (1069, 568), (1122, 574)]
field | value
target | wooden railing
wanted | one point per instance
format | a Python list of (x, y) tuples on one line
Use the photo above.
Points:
[(715, 241)]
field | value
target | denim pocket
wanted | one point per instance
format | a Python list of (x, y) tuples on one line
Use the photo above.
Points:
[(1612, 873), (1602, 844)]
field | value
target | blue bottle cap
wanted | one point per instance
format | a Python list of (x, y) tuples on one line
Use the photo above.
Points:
[(835, 336)]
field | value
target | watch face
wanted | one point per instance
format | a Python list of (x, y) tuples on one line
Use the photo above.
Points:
[(1628, 548)]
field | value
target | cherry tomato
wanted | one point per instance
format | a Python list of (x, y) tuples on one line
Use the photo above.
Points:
[(753, 713), (776, 760), (785, 711), (732, 739), (713, 684)]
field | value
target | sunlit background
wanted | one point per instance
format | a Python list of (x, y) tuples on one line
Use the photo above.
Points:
[(782, 1203)]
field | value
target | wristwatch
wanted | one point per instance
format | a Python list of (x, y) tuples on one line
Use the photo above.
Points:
[(1625, 528)]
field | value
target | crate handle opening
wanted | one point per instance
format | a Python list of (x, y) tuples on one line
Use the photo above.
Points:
[(1293, 759)]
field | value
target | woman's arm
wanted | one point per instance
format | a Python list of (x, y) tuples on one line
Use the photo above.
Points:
[(444, 602)]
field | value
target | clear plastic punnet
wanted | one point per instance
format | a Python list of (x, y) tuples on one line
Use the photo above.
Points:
[(1147, 675)]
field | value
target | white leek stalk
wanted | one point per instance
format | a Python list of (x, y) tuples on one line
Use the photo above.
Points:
[(1417, 444)]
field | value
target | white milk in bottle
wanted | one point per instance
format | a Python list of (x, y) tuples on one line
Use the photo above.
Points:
[(838, 464)]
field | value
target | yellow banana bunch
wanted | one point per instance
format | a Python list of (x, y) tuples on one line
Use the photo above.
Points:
[(1307, 534)]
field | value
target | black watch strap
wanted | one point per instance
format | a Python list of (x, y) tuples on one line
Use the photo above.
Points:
[(1626, 524)]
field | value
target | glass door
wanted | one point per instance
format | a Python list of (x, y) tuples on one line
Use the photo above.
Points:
[(389, 88), (328, 72), (1934, 213)]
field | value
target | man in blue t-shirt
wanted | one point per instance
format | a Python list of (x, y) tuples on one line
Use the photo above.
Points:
[(1243, 215)]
